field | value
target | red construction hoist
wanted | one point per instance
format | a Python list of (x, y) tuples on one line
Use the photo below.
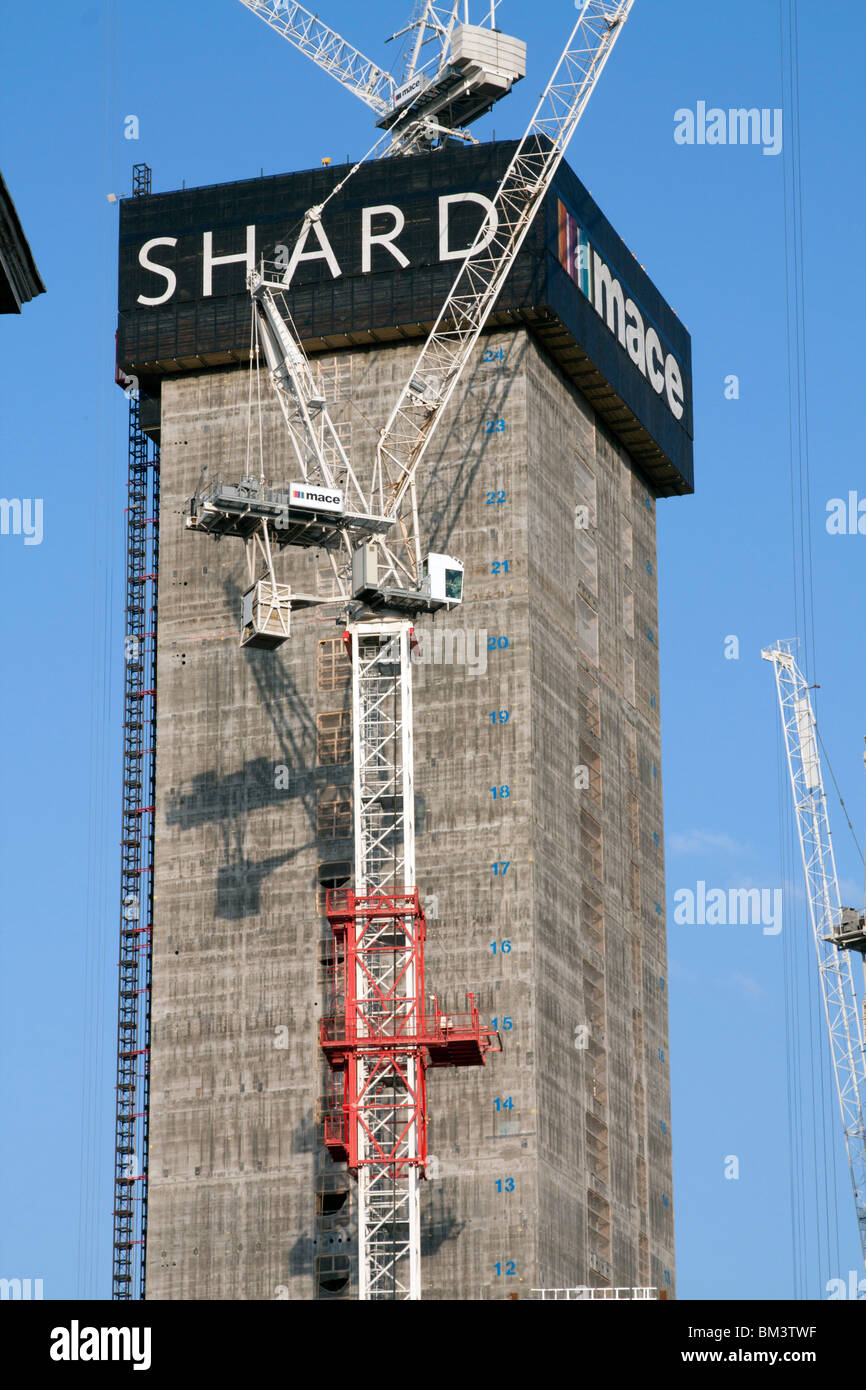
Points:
[(380, 1042)]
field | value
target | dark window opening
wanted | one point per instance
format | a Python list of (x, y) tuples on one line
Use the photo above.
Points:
[(331, 1202)]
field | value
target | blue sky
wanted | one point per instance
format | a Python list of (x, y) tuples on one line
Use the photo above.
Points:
[(220, 100)]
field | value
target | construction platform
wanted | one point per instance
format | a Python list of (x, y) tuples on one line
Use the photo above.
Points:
[(239, 509)]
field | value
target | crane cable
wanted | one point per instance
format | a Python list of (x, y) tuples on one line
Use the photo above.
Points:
[(826, 755), (314, 214), (803, 1101)]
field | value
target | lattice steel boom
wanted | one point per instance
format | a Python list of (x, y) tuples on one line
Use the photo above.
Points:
[(832, 944), (443, 358), (328, 51)]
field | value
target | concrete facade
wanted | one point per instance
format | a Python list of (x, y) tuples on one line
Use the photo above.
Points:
[(551, 1165)]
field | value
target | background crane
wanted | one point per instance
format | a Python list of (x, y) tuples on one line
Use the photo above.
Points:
[(838, 932), (381, 1040)]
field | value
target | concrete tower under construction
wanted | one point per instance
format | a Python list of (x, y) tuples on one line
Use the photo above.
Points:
[(538, 815)]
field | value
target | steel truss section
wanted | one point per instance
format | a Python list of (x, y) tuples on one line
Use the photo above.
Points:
[(390, 1122), (382, 733), (328, 51), (432, 24), (318, 448), (136, 875), (384, 1109), (844, 1024)]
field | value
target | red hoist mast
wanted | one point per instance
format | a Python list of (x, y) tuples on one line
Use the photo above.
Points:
[(382, 1031)]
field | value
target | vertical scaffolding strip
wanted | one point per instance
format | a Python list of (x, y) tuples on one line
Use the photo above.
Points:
[(136, 870)]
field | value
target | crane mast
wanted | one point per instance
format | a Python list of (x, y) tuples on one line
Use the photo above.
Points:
[(380, 1038), (838, 932)]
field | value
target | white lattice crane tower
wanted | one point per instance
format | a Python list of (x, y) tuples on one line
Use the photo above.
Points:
[(838, 932)]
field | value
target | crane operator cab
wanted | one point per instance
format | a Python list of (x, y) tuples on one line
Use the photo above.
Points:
[(440, 583), (442, 580)]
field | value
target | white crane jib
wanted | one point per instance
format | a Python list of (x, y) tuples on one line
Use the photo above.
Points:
[(527, 179), (837, 931), (321, 456), (372, 83)]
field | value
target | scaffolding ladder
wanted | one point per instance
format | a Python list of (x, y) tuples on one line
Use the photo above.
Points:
[(136, 873)]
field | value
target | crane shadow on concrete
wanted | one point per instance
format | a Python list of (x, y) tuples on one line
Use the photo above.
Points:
[(444, 515), (228, 800), (438, 1221)]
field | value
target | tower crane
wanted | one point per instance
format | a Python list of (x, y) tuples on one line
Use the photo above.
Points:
[(381, 1039), (839, 932)]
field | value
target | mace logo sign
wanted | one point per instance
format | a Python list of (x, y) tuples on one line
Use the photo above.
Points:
[(316, 498), (636, 333)]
